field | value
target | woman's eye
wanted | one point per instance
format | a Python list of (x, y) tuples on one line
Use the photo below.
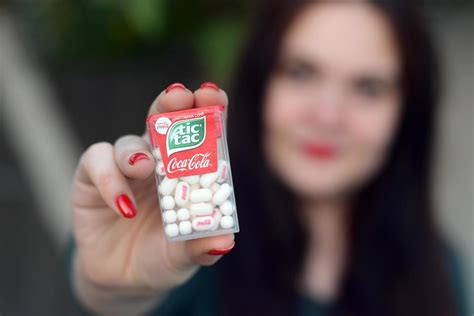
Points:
[(370, 88), (297, 72)]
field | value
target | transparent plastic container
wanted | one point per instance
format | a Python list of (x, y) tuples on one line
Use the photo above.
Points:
[(193, 173)]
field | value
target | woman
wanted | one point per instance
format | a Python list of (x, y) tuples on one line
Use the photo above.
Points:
[(330, 137)]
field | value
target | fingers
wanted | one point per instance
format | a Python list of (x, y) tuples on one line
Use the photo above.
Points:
[(209, 250), (203, 251), (174, 98), (133, 158), (210, 94), (177, 97), (98, 168)]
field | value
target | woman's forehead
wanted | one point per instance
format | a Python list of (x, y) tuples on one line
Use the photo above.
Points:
[(345, 36)]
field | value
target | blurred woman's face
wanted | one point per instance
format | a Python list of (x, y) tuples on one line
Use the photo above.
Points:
[(333, 102)]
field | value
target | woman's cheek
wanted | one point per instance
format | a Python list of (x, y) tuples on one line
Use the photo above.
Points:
[(280, 107), (372, 132)]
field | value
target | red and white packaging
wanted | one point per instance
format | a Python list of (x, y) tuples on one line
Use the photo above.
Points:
[(193, 173)]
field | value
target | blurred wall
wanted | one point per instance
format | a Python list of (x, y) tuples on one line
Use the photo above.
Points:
[(453, 167)]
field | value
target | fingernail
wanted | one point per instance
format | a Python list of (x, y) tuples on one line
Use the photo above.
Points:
[(221, 251), (209, 85), (137, 156), (126, 206), (175, 85)]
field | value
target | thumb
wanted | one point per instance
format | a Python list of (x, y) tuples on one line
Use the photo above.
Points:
[(204, 251)]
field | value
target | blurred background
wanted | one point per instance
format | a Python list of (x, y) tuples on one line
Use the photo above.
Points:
[(75, 72)]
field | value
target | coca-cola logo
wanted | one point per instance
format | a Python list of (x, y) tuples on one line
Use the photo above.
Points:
[(204, 222), (198, 161)]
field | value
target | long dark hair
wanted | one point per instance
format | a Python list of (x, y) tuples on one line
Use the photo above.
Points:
[(397, 264)]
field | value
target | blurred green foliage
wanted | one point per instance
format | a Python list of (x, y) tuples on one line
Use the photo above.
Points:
[(71, 30), (107, 30)]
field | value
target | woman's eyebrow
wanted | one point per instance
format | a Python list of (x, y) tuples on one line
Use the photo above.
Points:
[(370, 72), (381, 79), (301, 61)]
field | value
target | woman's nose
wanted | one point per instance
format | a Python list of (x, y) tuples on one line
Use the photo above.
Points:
[(326, 108)]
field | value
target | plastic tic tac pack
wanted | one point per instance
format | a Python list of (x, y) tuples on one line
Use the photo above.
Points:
[(193, 173)]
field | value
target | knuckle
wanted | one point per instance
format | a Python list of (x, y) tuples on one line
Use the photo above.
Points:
[(126, 139), (97, 149), (104, 179), (91, 154), (97, 153)]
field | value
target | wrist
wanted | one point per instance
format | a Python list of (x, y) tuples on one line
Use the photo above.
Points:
[(108, 299)]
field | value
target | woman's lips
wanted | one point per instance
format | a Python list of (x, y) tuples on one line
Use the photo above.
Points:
[(319, 151)]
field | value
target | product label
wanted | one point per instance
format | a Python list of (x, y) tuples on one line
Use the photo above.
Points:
[(185, 135), (187, 140)]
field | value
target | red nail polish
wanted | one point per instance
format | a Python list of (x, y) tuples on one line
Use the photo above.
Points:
[(221, 251), (175, 85), (209, 85), (126, 206), (137, 156)]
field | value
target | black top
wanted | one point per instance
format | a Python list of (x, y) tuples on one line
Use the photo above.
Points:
[(197, 296)]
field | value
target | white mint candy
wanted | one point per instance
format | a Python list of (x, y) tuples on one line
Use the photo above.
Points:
[(201, 195), (227, 222), (167, 202), (216, 214), (172, 230), (160, 169), (208, 179), (157, 153), (222, 194), (168, 185), (223, 171), (214, 187), (181, 195), (227, 208), (183, 214), (170, 216), (203, 223), (191, 179), (185, 228), (201, 209)]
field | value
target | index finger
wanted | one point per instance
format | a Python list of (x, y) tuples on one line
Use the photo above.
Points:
[(175, 97)]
